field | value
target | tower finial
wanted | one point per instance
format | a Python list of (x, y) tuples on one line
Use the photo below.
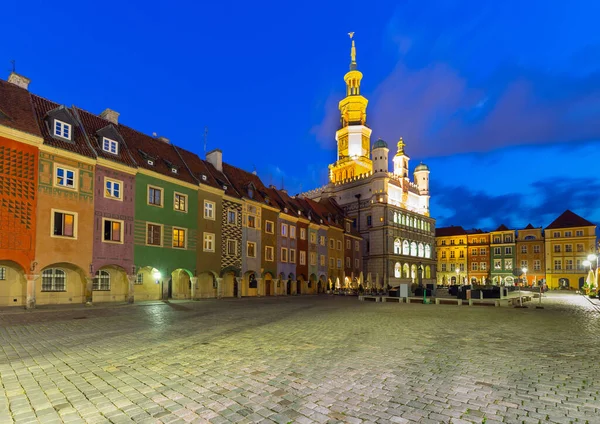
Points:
[(352, 52), (401, 146)]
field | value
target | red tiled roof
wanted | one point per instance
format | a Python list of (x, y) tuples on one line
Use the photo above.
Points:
[(242, 179), (450, 231), (529, 227), (569, 219), (16, 110), (221, 177), (78, 143), (313, 207), (162, 154), (197, 167), (502, 227), (92, 124)]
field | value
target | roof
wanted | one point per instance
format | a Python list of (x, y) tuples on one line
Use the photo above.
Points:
[(569, 219), (379, 144), (450, 231), (91, 125), (78, 143), (220, 177), (242, 180), (16, 110), (502, 227), (529, 227), (198, 168), (164, 155), (421, 167)]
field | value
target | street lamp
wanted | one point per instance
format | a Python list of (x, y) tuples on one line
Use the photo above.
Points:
[(587, 263), (525, 273)]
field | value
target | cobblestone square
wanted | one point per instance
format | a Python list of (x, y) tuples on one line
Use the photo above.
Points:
[(305, 359)]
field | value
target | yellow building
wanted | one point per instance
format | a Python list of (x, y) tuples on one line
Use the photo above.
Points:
[(451, 246), (569, 239), (530, 255)]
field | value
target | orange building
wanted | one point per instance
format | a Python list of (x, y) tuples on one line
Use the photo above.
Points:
[(531, 255), (478, 254), (19, 141)]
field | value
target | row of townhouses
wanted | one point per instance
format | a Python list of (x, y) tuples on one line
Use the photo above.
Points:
[(92, 210), (555, 255)]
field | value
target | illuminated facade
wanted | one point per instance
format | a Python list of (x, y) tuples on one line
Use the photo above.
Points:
[(478, 257), (530, 254), (390, 211), (452, 255)]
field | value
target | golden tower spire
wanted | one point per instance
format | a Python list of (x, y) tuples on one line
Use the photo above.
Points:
[(401, 145), (352, 53)]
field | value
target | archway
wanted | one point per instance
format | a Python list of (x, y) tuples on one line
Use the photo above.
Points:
[(323, 287), (181, 286), (413, 272), (269, 289), (509, 281), (300, 284), (453, 280), (110, 284), (312, 283), (564, 283), (61, 283), (289, 286), (13, 284), (147, 286), (251, 284), (229, 285), (207, 285), (427, 271)]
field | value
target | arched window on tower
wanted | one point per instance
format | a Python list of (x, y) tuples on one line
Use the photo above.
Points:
[(427, 251), (397, 246), (397, 270), (413, 249), (406, 271), (395, 217), (421, 250), (405, 248)]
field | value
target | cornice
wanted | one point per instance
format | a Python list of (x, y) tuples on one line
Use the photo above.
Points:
[(20, 136)]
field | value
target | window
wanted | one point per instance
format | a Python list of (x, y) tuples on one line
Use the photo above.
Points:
[(113, 230), (322, 260), (443, 254), (443, 267), (62, 129), (339, 264), (292, 256), (556, 234), (496, 240), (369, 220), (139, 279), (209, 210), (557, 248), (537, 265), (482, 251), (523, 249), (209, 242), (579, 233), (580, 247), (413, 249), (579, 264), (231, 247), (302, 257), (508, 264), (313, 237), (65, 177), (523, 264), (302, 233), (569, 263), (473, 252), (331, 262), (443, 242), (180, 201), (452, 255), (179, 238), (2, 273), (284, 230), (356, 264), (54, 279), (251, 249), (536, 249), (461, 254), (568, 247), (292, 232), (474, 266), (331, 243), (508, 250), (497, 251), (347, 227), (349, 244), (112, 189), (339, 245), (482, 266), (507, 239), (451, 242), (568, 234), (153, 234), (322, 240), (284, 254), (557, 264), (497, 264), (231, 217), (155, 196), (269, 253), (269, 227), (313, 258), (110, 146), (64, 224), (405, 247), (101, 281), (481, 240), (356, 246), (462, 267), (427, 251), (251, 221), (397, 246)]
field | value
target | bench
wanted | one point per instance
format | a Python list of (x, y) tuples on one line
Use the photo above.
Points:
[(448, 301), (370, 298), (391, 299)]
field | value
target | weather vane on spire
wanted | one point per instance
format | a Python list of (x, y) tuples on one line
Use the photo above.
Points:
[(352, 52)]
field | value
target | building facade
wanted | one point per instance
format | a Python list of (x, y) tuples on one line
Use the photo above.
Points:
[(452, 255), (502, 256), (531, 255), (478, 257)]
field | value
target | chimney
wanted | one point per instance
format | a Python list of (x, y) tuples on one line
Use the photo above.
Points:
[(163, 139), (19, 80), (110, 115), (215, 157)]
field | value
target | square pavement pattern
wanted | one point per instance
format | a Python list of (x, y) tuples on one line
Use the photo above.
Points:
[(311, 359)]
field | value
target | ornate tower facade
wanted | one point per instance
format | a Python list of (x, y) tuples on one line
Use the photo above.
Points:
[(353, 137)]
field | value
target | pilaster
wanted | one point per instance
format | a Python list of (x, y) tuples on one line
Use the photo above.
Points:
[(194, 281), (89, 281), (131, 288), (219, 288), (31, 291)]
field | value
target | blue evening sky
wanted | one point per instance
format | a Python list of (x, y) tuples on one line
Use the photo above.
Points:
[(500, 99)]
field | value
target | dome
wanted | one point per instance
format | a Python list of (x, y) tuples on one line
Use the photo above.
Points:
[(421, 167), (380, 144)]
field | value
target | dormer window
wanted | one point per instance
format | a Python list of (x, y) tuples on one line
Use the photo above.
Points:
[(110, 146), (204, 178), (62, 129), (174, 170), (150, 162), (251, 192), (285, 210), (224, 187)]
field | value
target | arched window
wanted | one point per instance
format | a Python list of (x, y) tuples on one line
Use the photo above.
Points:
[(427, 271), (101, 281), (413, 272), (54, 279), (403, 218), (395, 217), (405, 248), (413, 249), (397, 270), (421, 250), (427, 251), (397, 245), (406, 271)]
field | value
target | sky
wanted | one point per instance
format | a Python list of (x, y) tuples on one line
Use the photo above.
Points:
[(500, 99)]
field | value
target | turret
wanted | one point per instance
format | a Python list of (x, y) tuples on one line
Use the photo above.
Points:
[(421, 175), (401, 161), (379, 156)]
